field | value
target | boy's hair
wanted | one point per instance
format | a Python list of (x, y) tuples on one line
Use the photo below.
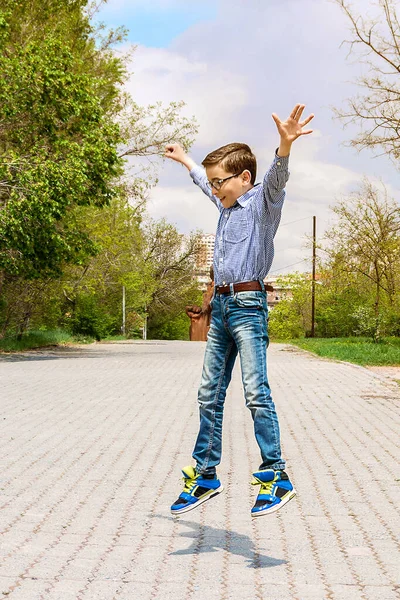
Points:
[(234, 158)]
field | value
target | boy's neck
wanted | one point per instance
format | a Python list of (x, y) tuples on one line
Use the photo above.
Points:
[(247, 189)]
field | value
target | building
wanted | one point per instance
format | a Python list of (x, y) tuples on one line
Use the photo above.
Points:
[(205, 252), (280, 291), (204, 258)]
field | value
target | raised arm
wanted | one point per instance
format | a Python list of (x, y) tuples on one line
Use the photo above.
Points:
[(177, 153), (278, 174), (197, 173), (291, 129)]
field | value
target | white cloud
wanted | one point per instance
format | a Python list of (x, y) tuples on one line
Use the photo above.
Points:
[(185, 206), (213, 97), (255, 58)]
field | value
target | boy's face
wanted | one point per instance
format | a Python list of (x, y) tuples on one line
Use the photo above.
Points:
[(233, 186)]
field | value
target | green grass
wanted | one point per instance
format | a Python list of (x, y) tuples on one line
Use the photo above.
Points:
[(360, 351), (38, 339)]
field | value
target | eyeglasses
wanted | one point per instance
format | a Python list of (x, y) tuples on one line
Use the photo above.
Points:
[(218, 183)]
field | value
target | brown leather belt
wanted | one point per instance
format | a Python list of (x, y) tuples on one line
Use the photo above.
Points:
[(244, 286)]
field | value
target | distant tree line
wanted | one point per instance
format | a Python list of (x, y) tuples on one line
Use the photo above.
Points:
[(358, 274), (358, 291)]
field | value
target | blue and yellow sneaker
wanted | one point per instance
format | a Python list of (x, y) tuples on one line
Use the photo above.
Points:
[(276, 490), (197, 490)]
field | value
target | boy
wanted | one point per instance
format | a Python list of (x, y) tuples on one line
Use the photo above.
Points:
[(249, 217)]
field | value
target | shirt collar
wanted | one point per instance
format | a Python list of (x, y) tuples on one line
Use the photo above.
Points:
[(245, 198)]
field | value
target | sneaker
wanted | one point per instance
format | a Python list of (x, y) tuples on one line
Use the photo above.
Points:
[(197, 490), (276, 490)]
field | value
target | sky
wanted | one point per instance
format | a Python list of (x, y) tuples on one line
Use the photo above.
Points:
[(234, 63)]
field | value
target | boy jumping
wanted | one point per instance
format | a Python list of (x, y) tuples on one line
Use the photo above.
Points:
[(244, 248)]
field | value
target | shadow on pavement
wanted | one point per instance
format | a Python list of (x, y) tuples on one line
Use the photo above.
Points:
[(90, 351), (211, 539), (55, 353)]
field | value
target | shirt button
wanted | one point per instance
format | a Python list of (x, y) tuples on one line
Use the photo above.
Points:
[(279, 164)]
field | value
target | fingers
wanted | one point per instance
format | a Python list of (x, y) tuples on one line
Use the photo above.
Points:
[(306, 120), (276, 118), (295, 111), (307, 132), (298, 111)]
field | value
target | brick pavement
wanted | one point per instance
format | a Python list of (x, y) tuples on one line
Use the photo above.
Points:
[(92, 443)]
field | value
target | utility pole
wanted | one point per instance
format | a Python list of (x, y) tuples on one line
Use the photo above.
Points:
[(314, 256), (123, 311)]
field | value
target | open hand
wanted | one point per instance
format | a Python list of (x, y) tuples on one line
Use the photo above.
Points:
[(292, 128)]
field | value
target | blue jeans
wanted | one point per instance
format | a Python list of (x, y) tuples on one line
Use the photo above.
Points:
[(238, 325)]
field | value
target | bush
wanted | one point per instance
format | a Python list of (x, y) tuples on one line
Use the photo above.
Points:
[(169, 328), (392, 324), (368, 324), (284, 323), (91, 319)]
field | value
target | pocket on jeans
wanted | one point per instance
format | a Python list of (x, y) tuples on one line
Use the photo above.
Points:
[(249, 300)]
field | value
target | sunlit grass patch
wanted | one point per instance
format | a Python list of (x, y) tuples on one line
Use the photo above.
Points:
[(38, 339), (361, 351)]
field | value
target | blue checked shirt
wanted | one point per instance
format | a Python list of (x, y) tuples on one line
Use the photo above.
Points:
[(244, 242)]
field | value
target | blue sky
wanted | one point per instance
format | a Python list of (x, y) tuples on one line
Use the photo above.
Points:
[(234, 62), (153, 24)]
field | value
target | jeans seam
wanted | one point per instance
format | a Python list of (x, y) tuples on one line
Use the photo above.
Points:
[(212, 428), (274, 424)]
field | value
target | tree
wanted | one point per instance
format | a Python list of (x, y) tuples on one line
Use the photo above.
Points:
[(71, 197), (170, 257), (58, 141), (365, 243), (291, 317), (378, 109)]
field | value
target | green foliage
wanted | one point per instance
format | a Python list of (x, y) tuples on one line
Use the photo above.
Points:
[(362, 351), (173, 327), (361, 269), (91, 319), (35, 339), (72, 227), (368, 324), (284, 322), (291, 317), (392, 322), (57, 149), (26, 305), (71, 221), (171, 258)]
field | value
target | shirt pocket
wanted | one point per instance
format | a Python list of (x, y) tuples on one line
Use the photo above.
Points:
[(237, 229)]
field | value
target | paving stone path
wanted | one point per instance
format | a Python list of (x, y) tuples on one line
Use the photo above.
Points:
[(91, 446)]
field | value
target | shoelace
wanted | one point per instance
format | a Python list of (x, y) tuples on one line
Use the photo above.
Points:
[(189, 484), (266, 487)]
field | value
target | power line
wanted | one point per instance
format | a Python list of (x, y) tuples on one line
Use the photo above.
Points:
[(292, 265), (296, 221)]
